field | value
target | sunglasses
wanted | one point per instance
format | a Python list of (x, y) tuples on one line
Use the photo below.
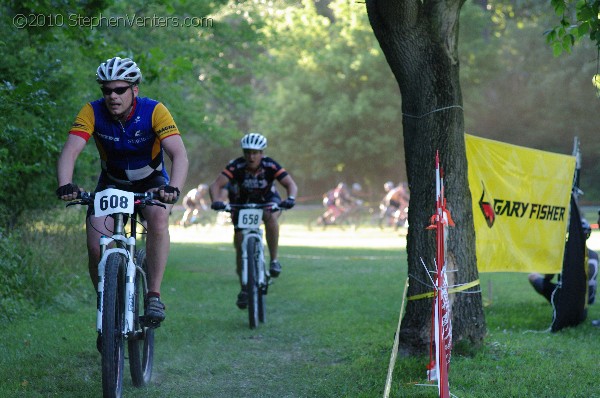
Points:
[(118, 90)]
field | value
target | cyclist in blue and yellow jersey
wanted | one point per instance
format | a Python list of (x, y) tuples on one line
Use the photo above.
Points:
[(132, 134), (251, 179)]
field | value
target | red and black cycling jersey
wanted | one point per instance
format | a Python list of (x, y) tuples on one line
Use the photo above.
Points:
[(253, 187)]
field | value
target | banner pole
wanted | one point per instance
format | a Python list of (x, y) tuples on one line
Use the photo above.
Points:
[(388, 381)]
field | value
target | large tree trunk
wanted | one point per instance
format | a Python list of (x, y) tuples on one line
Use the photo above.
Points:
[(419, 40)]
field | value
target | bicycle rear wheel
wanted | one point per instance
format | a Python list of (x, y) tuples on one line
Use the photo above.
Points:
[(252, 287), (140, 344), (113, 308)]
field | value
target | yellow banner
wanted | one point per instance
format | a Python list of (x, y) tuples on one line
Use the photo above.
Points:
[(520, 205)]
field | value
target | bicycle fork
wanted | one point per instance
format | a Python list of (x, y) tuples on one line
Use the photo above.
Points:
[(129, 293), (261, 259)]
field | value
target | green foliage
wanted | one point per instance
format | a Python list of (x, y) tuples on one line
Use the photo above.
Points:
[(330, 104), (40, 266), (35, 112), (17, 282), (48, 74), (309, 75), (578, 19)]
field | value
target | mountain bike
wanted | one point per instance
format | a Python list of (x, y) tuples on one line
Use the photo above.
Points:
[(393, 216), (122, 290), (255, 276), (348, 217), (196, 216)]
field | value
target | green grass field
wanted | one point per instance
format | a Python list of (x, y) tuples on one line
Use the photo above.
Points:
[(331, 319)]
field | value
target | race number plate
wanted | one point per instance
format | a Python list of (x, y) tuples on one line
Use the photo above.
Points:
[(249, 218), (112, 201)]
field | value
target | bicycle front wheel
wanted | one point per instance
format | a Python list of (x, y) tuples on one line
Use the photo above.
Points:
[(113, 310), (262, 306), (140, 344), (252, 287)]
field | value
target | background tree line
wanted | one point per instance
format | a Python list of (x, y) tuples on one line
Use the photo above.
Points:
[(310, 75)]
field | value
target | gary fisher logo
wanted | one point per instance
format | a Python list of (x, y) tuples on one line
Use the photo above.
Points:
[(492, 208), (487, 209)]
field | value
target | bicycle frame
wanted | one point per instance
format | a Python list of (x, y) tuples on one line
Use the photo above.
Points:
[(126, 247), (262, 272), (253, 232), (122, 292), (254, 282)]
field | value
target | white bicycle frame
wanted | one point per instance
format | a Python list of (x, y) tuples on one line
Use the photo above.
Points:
[(127, 250), (247, 234), (129, 293), (250, 228)]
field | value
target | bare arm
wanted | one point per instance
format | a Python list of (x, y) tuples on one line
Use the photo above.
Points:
[(175, 149), (217, 187), (290, 186), (66, 162)]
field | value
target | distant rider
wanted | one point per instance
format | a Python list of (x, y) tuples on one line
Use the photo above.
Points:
[(194, 202), (394, 204), (251, 178)]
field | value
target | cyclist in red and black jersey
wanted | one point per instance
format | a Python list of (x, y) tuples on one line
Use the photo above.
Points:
[(251, 180), (131, 133)]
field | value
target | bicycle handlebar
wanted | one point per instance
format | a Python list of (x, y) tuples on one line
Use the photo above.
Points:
[(273, 206), (142, 199)]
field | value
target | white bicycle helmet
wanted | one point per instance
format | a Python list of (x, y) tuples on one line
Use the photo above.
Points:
[(254, 141), (119, 69)]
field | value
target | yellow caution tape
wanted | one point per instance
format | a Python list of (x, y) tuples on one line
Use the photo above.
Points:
[(451, 290)]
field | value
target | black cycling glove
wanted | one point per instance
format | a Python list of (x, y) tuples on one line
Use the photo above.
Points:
[(288, 203), (170, 189), (217, 206), (67, 189)]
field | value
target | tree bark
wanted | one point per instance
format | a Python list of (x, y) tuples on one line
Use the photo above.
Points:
[(420, 42)]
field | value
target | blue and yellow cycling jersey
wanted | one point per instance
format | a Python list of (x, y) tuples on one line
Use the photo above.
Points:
[(131, 150)]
